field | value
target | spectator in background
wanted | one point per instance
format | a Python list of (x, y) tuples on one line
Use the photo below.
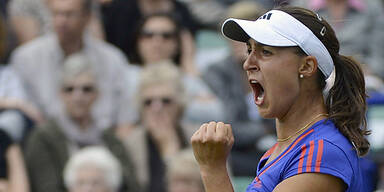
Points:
[(183, 173), (50, 146), (30, 19), (160, 133), (121, 17), (16, 114), (39, 64), (230, 83), (13, 176), (351, 19), (163, 33), (93, 169), (159, 39)]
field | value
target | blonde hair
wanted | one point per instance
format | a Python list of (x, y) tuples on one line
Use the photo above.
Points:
[(98, 157), (162, 73)]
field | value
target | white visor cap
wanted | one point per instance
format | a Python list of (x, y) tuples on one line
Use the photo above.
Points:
[(277, 28)]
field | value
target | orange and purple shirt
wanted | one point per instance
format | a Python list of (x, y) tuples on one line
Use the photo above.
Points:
[(320, 149)]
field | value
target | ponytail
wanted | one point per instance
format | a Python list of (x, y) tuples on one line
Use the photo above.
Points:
[(346, 102)]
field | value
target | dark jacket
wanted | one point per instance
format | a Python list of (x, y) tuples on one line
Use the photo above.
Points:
[(46, 154)]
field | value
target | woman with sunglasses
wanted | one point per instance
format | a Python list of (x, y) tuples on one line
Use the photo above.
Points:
[(316, 96), (160, 38), (160, 133), (50, 146)]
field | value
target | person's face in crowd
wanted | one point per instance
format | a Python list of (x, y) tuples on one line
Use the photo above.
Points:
[(69, 19), (78, 95), (90, 179), (185, 183), (160, 104), (157, 41), (273, 74)]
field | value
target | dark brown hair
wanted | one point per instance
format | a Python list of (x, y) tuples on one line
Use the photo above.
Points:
[(346, 101), (135, 57)]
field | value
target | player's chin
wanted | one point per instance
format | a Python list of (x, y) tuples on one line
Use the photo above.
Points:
[(266, 113)]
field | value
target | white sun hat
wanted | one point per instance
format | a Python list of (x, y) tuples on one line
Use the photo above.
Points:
[(277, 28)]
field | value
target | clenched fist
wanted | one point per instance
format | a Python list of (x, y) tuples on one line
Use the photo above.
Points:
[(211, 144)]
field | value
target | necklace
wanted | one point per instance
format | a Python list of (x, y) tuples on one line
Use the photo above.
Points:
[(303, 128)]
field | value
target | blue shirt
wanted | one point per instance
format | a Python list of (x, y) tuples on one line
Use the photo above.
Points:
[(320, 149)]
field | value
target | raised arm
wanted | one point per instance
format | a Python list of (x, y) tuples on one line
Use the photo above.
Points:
[(211, 146)]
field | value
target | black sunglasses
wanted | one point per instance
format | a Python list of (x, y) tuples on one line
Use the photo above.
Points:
[(164, 35), (84, 89), (165, 101)]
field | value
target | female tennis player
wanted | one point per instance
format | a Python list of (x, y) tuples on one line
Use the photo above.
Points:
[(317, 97)]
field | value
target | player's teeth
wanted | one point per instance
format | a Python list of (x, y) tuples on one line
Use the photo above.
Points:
[(260, 96)]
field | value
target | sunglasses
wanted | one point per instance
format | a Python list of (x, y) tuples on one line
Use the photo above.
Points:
[(165, 35), (84, 89), (165, 101)]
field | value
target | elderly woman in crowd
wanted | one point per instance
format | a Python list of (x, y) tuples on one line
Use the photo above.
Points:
[(50, 146), (159, 38), (93, 169), (160, 133)]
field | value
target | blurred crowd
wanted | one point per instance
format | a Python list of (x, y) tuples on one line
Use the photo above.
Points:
[(103, 95)]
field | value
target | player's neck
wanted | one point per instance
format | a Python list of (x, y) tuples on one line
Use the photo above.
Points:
[(300, 118)]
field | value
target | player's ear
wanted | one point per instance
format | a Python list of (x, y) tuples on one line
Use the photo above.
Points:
[(308, 66)]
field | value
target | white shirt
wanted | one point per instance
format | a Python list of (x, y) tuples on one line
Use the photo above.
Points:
[(10, 85), (39, 64)]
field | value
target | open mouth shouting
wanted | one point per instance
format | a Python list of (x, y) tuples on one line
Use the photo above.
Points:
[(258, 91)]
